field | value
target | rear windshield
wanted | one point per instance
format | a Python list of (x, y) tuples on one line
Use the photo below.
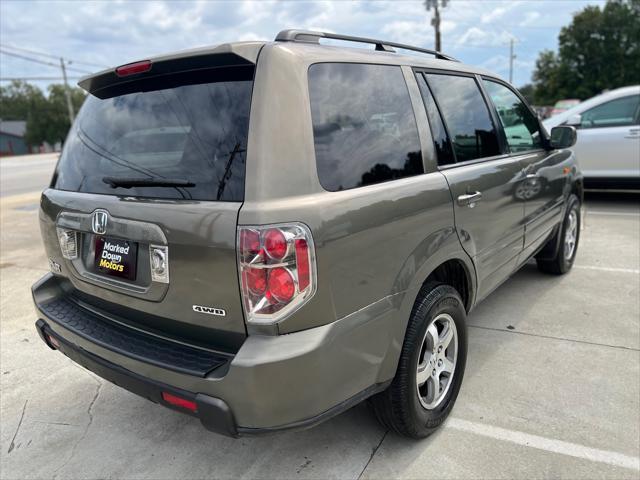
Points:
[(192, 135)]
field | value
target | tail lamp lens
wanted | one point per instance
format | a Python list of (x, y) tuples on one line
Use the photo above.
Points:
[(282, 286), (275, 244), (68, 240), (277, 270), (256, 280), (159, 261)]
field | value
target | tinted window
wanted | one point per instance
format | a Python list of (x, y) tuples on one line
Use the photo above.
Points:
[(618, 112), (363, 125), (466, 116), (520, 125), (196, 133), (438, 132)]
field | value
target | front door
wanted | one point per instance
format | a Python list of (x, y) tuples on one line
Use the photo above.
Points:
[(608, 143), (482, 179), (541, 185)]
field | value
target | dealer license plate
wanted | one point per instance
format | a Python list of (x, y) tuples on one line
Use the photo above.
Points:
[(116, 257)]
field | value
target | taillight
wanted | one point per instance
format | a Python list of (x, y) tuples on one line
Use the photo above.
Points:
[(68, 240), (277, 270)]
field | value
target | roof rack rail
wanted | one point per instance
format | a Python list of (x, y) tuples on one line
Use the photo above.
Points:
[(308, 36)]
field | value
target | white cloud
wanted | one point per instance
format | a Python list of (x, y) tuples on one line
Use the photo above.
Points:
[(476, 36), (111, 33), (530, 18)]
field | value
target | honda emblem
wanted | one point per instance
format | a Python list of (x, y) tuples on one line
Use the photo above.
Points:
[(99, 222)]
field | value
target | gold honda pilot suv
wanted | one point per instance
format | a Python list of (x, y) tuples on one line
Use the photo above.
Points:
[(264, 234)]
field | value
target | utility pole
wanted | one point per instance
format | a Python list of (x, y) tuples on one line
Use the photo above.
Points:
[(512, 57), (67, 92), (435, 20)]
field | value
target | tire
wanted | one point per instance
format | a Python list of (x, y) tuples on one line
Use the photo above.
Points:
[(401, 407), (566, 251)]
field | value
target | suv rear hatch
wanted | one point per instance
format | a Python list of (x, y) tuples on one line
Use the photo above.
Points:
[(147, 191)]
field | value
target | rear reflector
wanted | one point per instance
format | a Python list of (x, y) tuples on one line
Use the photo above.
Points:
[(53, 341), (133, 68), (180, 402)]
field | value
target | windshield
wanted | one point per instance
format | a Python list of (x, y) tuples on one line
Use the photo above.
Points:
[(195, 133)]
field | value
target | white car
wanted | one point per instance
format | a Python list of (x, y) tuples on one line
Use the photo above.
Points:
[(608, 146)]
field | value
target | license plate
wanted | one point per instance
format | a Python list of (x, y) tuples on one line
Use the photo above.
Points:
[(116, 257)]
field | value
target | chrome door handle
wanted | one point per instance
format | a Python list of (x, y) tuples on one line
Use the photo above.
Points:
[(469, 199), (531, 176)]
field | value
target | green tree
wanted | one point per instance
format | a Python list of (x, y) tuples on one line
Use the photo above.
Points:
[(47, 118), (527, 92), (18, 99), (599, 50)]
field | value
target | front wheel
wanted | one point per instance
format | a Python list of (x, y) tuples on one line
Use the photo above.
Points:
[(569, 236), (431, 365)]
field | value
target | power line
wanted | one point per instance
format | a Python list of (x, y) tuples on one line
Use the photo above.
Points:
[(48, 55), (11, 79), (42, 62)]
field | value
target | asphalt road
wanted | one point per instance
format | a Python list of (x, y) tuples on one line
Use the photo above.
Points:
[(552, 387), (26, 173)]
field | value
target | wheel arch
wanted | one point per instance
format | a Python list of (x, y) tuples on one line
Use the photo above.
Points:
[(452, 267), (455, 273)]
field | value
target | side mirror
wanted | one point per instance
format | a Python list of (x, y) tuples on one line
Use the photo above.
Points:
[(574, 120), (563, 136)]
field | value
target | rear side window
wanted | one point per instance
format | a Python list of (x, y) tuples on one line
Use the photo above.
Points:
[(363, 125), (466, 116), (438, 132), (616, 113), (521, 127), (194, 133)]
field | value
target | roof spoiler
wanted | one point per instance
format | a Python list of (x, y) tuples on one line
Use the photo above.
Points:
[(157, 71)]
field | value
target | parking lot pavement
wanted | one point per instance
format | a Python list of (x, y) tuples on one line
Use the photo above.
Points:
[(25, 173), (552, 387)]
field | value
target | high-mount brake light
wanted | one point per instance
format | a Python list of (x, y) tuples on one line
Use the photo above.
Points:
[(277, 268), (133, 68)]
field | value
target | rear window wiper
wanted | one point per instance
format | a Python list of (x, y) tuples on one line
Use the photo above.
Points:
[(128, 182)]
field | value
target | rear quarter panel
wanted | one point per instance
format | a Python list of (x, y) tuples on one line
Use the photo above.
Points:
[(374, 242)]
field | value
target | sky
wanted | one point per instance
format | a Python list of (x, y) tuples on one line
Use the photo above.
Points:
[(98, 34)]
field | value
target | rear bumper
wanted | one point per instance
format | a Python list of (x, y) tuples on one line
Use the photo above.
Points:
[(214, 413), (272, 383)]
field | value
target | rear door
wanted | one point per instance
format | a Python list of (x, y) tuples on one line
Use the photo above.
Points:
[(152, 173), (482, 179), (545, 173)]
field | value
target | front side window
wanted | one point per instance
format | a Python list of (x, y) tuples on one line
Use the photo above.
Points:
[(466, 116), (364, 128), (521, 127), (616, 113)]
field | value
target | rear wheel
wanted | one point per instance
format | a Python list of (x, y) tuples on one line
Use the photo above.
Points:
[(569, 236), (431, 365)]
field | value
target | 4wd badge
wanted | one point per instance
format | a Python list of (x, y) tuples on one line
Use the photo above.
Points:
[(210, 310)]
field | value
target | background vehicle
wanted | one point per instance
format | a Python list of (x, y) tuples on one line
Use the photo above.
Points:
[(564, 105), (608, 145), (310, 231)]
